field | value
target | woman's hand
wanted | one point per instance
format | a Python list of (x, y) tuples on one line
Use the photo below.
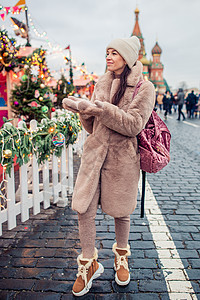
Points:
[(71, 104), (82, 106), (87, 108), (99, 104)]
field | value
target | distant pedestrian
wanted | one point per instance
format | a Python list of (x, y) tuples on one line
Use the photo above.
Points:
[(166, 103), (173, 102), (180, 102), (191, 101), (170, 103), (198, 107), (160, 101)]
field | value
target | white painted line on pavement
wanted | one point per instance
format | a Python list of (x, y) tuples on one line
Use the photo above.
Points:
[(186, 122), (176, 278)]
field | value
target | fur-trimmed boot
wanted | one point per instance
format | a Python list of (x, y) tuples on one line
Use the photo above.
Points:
[(122, 276), (88, 269)]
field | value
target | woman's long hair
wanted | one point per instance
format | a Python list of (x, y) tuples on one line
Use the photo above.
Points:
[(122, 87)]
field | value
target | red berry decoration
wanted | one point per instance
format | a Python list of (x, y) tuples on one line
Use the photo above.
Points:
[(53, 109)]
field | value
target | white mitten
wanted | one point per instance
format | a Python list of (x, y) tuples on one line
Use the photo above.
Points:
[(87, 108), (99, 104), (71, 103)]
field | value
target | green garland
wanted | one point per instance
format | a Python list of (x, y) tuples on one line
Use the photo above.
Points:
[(25, 102), (62, 90), (22, 143), (8, 60)]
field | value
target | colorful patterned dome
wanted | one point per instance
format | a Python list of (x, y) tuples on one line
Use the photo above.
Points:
[(156, 49)]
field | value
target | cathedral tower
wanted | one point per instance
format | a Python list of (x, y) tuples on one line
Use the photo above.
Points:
[(152, 70), (156, 69), (142, 52), (137, 32)]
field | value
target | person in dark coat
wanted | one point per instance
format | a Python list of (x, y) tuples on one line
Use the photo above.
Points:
[(170, 102), (166, 103), (180, 102), (191, 101)]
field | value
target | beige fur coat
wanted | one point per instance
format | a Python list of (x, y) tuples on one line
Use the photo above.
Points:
[(111, 152)]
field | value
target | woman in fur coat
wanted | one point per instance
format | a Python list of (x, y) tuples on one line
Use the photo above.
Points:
[(110, 164)]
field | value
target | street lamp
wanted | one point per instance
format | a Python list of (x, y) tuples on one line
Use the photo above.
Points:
[(70, 64), (22, 29)]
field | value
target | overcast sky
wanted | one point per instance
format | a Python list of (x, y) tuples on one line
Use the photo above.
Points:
[(89, 25)]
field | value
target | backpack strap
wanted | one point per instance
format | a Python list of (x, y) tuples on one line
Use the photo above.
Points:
[(138, 85), (143, 193)]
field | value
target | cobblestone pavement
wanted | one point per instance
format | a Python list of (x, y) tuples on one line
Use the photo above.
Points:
[(38, 257)]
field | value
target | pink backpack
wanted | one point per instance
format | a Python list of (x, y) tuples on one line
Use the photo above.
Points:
[(154, 147), (153, 142)]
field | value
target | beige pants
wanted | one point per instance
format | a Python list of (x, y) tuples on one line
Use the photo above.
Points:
[(87, 228)]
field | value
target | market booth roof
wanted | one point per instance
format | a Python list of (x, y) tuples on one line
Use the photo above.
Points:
[(25, 51), (84, 81), (81, 82)]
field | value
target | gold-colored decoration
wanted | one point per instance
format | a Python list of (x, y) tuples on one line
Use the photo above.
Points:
[(7, 153), (40, 98), (5, 54), (51, 129)]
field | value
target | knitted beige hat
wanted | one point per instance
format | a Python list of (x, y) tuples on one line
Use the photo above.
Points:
[(127, 48)]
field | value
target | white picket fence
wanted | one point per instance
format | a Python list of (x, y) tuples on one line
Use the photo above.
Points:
[(31, 193)]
